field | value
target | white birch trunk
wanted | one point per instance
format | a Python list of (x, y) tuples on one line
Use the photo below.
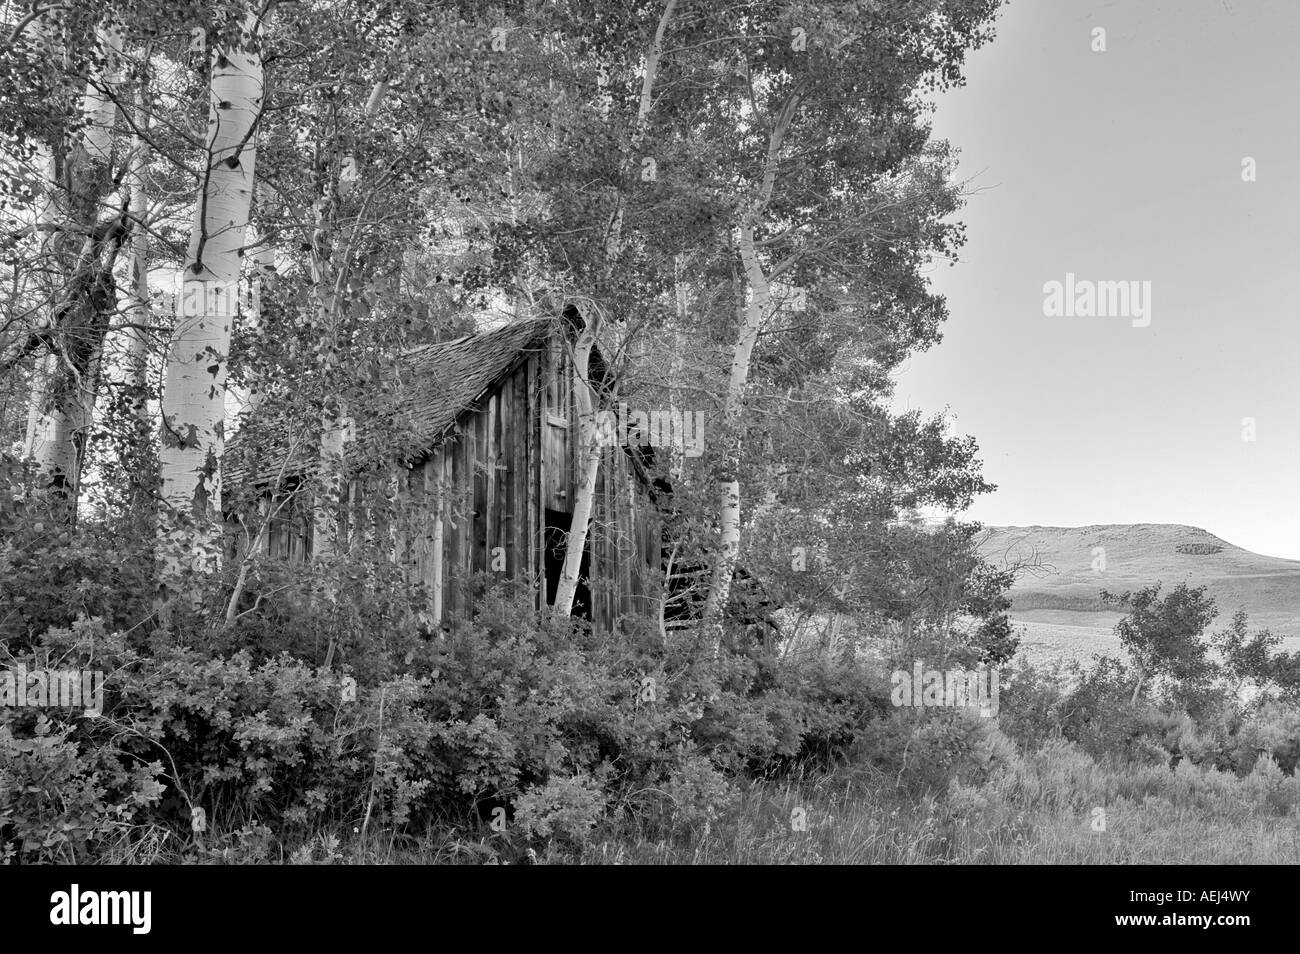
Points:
[(64, 402), (589, 472), (753, 309), (37, 385), (43, 370), (137, 301), (54, 450), (98, 105), (194, 395), (325, 513), (585, 394), (65, 413), (682, 293), (753, 314)]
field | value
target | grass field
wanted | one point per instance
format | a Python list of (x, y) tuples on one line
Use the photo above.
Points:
[(1055, 806), (1040, 808), (1044, 810), (1056, 599), (1048, 641)]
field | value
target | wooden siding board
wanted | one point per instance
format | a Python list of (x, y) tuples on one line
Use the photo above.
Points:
[(555, 424), (432, 570), (521, 525), (480, 489), (490, 518), (536, 476), (465, 486), (504, 496), (453, 468)]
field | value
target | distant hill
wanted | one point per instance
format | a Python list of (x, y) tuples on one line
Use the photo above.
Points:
[(1060, 600)]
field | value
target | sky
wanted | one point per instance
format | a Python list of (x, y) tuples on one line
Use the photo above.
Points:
[(1127, 166)]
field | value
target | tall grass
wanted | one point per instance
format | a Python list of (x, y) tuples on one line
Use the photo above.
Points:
[(1043, 809)]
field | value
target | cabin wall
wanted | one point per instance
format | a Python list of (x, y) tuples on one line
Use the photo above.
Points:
[(476, 497), (558, 427), (288, 526), (625, 544)]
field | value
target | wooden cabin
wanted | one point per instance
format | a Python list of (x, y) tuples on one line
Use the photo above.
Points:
[(483, 472)]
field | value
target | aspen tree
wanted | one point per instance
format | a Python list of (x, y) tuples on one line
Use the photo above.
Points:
[(194, 390), (584, 392)]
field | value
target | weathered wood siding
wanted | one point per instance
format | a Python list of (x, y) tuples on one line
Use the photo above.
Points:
[(476, 512), (625, 544)]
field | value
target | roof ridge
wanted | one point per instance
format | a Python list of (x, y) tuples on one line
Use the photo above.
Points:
[(512, 325)]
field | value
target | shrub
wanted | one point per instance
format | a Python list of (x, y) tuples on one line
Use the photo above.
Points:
[(1029, 704), (1272, 731), (182, 730), (52, 576), (564, 807), (698, 793), (55, 806), (923, 751), (1270, 786), (569, 731)]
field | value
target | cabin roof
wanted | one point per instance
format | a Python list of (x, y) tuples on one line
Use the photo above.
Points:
[(444, 380), (435, 385)]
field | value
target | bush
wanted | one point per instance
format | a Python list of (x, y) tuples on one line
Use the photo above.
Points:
[(698, 794), (569, 732), (925, 751), (1270, 786), (540, 716), (1029, 704), (1272, 731), (55, 806), (1199, 549), (565, 807), (183, 730), (51, 576)]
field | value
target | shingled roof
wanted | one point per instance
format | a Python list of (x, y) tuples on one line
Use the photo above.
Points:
[(436, 384), (444, 380)]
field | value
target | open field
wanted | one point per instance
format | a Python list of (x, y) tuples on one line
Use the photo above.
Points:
[(1058, 605), (1049, 641)]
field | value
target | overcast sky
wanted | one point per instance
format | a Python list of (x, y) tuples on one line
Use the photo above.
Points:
[(1126, 165)]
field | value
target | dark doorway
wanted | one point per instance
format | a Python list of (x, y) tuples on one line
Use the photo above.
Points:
[(556, 538)]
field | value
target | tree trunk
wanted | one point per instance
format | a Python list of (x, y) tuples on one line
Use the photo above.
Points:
[(135, 372), (590, 471), (325, 513), (46, 35), (194, 396), (586, 396), (137, 303), (37, 385), (756, 296), (63, 421), (753, 314), (79, 317)]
